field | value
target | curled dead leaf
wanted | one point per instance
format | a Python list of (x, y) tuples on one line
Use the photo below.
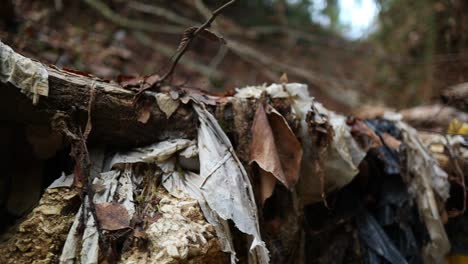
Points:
[(140, 82), (205, 33), (390, 141), (363, 134), (144, 112), (167, 104), (275, 149), (284, 78), (267, 184), (212, 36), (112, 216)]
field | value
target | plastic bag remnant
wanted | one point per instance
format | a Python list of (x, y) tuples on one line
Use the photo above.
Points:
[(154, 153), (342, 156), (28, 75), (226, 183), (421, 162), (222, 188), (377, 241), (425, 176), (113, 182)]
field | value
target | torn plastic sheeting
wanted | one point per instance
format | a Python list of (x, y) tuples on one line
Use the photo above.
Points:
[(459, 144), (157, 152), (29, 76), (68, 255), (226, 185), (89, 239), (342, 157), (391, 193), (112, 183), (339, 162), (63, 181), (422, 162), (388, 155), (222, 188), (425, 176), (349, 152), (377, 240)]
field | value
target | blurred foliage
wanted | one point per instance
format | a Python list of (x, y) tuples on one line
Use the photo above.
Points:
[(421, 48), (295, 13), (417, 48)]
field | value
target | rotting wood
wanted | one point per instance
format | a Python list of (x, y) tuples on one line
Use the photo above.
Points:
[(114, 117)]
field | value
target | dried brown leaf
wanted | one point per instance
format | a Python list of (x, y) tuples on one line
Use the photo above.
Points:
[(289, 147), (212, 36), (112, 216), (126, 82), (205, 33), (129, 81), (390, 141), (267, 185), (144, 113), (152, 79), (186, 36), (363, 134), (275, 149), (284, 78), (167, 104)]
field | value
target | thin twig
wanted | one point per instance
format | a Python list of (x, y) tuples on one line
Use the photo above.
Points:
[(168, 51), (131, 23), (161, 12), (184, 49), (206, 25), (89, 125)]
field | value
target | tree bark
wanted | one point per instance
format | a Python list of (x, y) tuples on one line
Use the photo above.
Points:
[(114, 116)]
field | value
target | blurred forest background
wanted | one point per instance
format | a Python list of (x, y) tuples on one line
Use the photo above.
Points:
[(411, 51)]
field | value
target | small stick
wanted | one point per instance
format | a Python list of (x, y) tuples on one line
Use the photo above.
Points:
[(205, 25)]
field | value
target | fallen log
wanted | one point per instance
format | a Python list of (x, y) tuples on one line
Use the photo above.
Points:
[(114, 115), (262, 164)]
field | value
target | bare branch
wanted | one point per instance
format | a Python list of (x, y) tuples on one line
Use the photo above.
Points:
[(202, 9), (131, 23), (168, 51), (207, 24), (161, 12), (184, 49)]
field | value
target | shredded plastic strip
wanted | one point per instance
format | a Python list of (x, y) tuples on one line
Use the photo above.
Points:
[(426, 179)]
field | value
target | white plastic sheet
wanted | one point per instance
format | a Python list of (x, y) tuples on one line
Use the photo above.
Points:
[(222, 188), (153, 153), (113, 184), (28, 75)]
